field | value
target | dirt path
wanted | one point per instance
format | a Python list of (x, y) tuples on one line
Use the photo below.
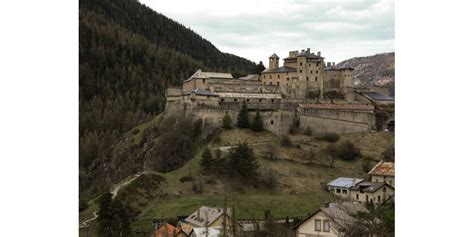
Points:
[(114, 193), (226, 148)]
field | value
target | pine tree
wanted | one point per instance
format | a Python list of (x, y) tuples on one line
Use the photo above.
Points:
[(243, 162), (257, 123), (114, 217), (227, 121), (207, 160), (243, 117)]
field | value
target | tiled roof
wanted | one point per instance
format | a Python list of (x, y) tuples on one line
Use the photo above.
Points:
[(383, 168), (344, 182), (248, 95), (199, 91), (336, 106), (369, 187), (377, 97), (205, 75), (165, 230), (280, 69), (340, 213), (203, 214)]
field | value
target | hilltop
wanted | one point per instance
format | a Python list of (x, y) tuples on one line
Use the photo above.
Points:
[(375, 70)]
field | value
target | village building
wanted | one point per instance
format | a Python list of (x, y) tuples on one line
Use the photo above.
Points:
[(209, 217), (165, 230), (341, 186), (206, 232), (384, 171), (330, 220), (372, 192)]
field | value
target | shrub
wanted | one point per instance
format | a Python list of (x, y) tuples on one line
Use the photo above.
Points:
[(328, 137), (227, 121), (286, 141), (187, 178), (389, 153), (344, 151), (347, 151), (366, 165)]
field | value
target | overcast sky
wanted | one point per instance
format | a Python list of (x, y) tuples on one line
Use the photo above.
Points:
[(255, 29)]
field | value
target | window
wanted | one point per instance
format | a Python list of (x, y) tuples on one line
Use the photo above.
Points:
[(278, 83), (357, 196), (301, 71), (378, 198), (307, 78), (317, 71), (344, 191), (271, 122), (311, 72), (203, 80), (376, 180), (287, 78), (248, 100), (310, 64), (301, 64), (278, 76), (273, 100), (270, 83), (317, 225), (235, 100), (222, 100), (263, 76), (384, 189), (259, 100), (326, 226), (338, 190), (270, 76)]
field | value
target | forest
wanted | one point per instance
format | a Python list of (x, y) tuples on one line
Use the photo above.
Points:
[(128, 56)]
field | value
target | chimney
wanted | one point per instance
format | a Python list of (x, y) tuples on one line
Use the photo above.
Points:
[(329, 64), (308, 50), (319, 53)]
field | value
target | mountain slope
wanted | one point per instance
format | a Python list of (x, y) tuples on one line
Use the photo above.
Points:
[(167, 33), (375, 70)]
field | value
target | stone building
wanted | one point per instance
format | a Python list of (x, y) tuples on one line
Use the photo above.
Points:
[(305, 74), (295, 93)]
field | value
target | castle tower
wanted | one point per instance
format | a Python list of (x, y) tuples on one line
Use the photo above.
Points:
[(273, 61)]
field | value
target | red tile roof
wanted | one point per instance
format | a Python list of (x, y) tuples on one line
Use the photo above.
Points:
[(383, 168), (165, 230)]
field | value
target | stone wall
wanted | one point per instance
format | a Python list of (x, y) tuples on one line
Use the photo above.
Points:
[(336, 121)]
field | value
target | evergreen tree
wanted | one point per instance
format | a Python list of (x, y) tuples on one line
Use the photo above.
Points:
[(243, 162), (259, 68), (227, 121), (207, 160), (257, 123), (114, 217), (243, 117)]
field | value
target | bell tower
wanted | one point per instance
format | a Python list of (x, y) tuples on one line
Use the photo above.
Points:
[(273, 62)]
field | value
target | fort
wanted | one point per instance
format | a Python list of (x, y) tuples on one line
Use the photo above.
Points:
[(304, 92)]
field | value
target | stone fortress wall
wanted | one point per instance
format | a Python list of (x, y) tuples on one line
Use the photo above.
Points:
[(281, 94)]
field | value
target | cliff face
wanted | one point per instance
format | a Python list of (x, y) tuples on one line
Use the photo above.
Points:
[(378, 70)]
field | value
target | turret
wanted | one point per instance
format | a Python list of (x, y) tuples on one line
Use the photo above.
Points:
[(273, 62)]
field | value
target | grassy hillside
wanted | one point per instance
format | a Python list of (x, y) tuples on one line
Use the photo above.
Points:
[(300, 188)]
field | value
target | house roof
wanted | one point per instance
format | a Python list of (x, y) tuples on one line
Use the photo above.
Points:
[(384, 168), (210, 75), (340, 213), (165, 230), (344, 182), (248, 95), (205, 216), (199, 91), (377, 96), (346, 66), (280, 69), (248, 77), (211, 232), (274, 56), (369, 187)]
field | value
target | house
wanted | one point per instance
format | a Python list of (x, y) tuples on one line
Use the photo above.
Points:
[(182, 231), (384, 171), (165, 230), (342, 185), (209, 217), (330, 220), (205, 232), (375, 192)]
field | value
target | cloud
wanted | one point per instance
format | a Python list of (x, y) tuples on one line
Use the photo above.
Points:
[(256, 29)]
